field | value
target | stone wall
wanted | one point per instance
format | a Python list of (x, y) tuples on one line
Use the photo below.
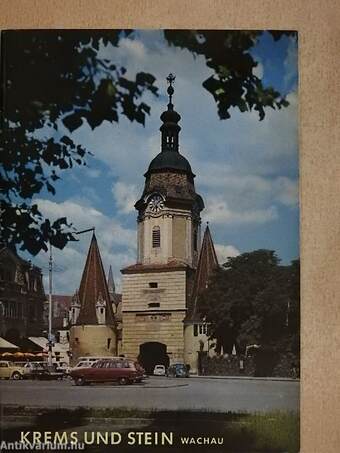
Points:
[(283, 365), (226, 366), (95, 341)]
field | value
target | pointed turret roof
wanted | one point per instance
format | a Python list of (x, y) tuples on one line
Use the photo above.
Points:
[(207, 264), (93, 286), (111, 282)]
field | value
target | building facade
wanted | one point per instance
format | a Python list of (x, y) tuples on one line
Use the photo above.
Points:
[(158, 323), (22, 297)]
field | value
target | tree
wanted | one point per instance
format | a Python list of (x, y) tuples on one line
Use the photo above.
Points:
[(53, 78), (254, 300)]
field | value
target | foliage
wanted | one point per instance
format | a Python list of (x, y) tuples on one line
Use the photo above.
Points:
[(57, 80), (254, 300)]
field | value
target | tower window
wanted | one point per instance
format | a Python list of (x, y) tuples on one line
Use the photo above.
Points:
[(156, 237), (153, 285), (154, 305)]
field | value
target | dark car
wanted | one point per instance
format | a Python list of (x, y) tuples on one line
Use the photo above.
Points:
[(119, 370), (178, 370)]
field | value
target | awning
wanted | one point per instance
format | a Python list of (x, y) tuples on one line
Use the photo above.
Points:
[(4, 344), (43, 343)]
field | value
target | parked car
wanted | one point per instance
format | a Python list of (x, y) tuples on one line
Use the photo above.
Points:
[(119, 370), (35, 370), (41, 371), (159, 370), (9, 370), (82, 364), (178, 370)]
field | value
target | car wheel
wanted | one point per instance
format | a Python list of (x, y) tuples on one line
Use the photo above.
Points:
[(79, 381), (123, 381), (16, 376)]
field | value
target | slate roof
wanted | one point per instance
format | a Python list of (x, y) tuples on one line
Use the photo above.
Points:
[(93, 285), (207, 264)]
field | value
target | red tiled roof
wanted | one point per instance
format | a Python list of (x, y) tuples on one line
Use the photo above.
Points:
[(171, 265), (93, 285)]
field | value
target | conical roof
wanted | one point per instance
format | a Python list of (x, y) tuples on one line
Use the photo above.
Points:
[(207, 264), (93, 286), (111, 282)]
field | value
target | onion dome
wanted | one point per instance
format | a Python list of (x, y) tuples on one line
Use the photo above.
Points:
[(169, 158)]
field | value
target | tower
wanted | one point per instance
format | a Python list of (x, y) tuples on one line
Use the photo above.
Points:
[(196, 336), (93, 332), (156, 288)]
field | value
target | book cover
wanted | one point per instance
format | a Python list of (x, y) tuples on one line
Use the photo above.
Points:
[(149, 240)]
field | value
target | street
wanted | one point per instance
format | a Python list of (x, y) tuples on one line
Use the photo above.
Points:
[(161, 393)]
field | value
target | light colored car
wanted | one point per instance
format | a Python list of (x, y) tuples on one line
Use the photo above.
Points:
[(159, 370), (9, 370)]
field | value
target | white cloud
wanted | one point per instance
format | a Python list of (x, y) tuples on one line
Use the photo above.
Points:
[(225, 251), (125, 196), (218, 212), (286, 191), (117, 244), (131, 48)]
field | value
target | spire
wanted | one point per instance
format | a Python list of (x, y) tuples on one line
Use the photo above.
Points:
[(170, 129), (170, 79), (207, 264), (110, 282), (93, 287)]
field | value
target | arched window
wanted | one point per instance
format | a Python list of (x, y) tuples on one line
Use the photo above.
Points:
[(156, 237)]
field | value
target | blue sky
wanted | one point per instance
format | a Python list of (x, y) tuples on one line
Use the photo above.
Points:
[(246, 170)]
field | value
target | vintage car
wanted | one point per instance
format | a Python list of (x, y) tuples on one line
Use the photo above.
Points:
[(159, 370), (9, 370), (178, 370), (119, 370), (41, 371)]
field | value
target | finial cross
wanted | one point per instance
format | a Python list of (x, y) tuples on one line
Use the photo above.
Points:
[(171, 78)]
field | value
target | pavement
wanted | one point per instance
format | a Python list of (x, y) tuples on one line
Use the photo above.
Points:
[(211, 394), (249, 378)]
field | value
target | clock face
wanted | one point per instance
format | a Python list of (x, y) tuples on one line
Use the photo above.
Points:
[(156, 204)]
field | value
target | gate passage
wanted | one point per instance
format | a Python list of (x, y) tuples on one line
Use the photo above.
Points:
[(152, 354)]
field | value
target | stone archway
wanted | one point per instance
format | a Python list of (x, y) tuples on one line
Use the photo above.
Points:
[(152, 354)]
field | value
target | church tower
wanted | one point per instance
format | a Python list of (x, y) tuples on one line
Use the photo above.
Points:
[(156, 289), (93, 332)]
